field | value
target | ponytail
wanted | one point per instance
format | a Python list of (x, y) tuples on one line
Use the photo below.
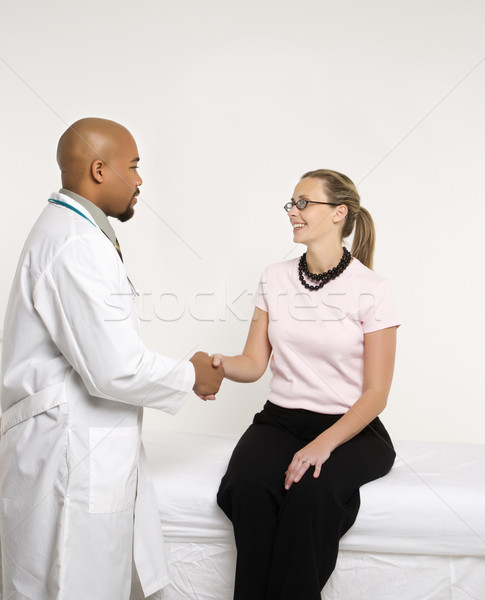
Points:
[(364, 238)]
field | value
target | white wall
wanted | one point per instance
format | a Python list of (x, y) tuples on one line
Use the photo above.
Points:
[(230, 103)]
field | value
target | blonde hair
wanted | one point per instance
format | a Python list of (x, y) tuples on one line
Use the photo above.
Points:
[(341, 190)]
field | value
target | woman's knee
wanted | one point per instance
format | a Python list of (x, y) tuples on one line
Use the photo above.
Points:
[(249, 486)]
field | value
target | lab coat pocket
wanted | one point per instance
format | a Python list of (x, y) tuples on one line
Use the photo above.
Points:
[(114, 455)]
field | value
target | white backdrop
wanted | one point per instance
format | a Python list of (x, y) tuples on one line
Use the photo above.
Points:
[(230, 102)]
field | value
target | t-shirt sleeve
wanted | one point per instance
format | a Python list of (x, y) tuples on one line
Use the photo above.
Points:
[(378, 310), (260, 299)]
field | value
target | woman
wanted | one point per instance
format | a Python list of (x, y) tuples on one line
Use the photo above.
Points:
[(292, 485)]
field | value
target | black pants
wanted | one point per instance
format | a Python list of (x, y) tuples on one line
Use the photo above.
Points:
[(287, 541)]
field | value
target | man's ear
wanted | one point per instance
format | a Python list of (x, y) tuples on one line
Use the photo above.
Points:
[(98, 170)]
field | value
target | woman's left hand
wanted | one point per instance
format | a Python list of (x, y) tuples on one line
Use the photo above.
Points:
[(313, 454)]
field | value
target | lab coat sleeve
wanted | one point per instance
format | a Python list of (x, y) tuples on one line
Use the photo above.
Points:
[(85, 302)]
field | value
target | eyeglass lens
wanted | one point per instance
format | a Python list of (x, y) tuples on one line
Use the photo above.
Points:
[(300, 205)]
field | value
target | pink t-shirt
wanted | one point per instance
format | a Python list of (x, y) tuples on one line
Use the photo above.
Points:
[(318, 336)]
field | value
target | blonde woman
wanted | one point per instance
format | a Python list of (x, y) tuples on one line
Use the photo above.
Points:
[(329, 324)]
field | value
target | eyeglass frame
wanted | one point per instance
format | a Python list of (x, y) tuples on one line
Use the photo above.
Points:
[(289, 205)]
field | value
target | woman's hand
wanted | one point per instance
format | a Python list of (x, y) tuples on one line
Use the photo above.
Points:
[(217, 361), (313, 454)]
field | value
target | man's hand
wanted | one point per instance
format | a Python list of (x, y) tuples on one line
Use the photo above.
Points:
[(207, 378)]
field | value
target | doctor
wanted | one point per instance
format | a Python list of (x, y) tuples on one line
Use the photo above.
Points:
[(78, 518)]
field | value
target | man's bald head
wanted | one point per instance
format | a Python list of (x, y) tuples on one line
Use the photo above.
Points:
[(97, 158), (85, 141)]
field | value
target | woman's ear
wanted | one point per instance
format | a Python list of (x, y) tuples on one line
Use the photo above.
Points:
[(340, 213), (97, 170)]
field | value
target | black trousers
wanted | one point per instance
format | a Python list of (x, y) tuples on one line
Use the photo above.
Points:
[(287, 541)]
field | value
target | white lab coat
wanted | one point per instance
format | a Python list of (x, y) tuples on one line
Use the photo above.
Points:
[(76, 506)]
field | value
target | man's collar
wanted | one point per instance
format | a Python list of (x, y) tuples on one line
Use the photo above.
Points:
[(98, 215)]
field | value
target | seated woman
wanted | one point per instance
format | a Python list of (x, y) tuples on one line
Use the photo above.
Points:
[(291, 488)]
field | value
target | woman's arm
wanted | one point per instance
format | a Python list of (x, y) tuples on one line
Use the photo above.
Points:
[(252, 363), (379, 356)]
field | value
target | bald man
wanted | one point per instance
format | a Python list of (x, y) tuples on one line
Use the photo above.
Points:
[(78, 517)]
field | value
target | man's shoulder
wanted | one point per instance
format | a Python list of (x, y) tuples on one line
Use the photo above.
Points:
[(57, 236)]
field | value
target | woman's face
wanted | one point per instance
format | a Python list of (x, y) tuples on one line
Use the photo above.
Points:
[(315, 220)]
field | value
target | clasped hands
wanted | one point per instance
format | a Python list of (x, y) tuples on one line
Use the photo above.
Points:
[(208, 376)]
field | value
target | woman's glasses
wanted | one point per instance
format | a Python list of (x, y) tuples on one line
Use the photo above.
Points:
[(301, 204)]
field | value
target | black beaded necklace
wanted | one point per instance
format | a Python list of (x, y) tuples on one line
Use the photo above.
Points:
[(322, 278)]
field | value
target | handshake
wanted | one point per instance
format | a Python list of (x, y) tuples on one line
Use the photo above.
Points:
[(209, 374)]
